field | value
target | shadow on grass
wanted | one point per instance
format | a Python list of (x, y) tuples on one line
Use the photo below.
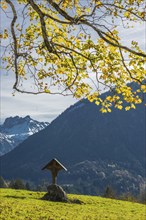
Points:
[(72, 201), (76, 201), (69, 201), (16, 197)]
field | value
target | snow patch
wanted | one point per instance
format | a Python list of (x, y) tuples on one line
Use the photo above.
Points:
[(16, 129)]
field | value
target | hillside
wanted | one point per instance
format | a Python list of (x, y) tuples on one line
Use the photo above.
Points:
[(97, 149), (16, 129), (20, 204)]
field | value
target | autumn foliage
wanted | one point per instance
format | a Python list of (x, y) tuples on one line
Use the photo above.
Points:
[(73, 47)]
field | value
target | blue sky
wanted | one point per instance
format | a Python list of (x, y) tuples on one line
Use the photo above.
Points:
[(47, 107), (40, 107)]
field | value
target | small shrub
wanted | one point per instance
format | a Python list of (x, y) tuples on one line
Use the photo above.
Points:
[(109, 193)]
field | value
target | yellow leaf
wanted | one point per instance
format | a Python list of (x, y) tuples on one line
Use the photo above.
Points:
[(108, 98), (98, 3), (127, 14), (47, 91), (103, 110), (127, 108), (133, 106), (97, 102), (143, 87), (5, 35), (119, 107), (3, 5)]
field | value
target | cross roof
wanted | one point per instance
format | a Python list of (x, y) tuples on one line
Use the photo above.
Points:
[(54, 163)]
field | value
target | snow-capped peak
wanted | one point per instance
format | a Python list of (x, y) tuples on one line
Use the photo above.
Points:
[(16, 129)]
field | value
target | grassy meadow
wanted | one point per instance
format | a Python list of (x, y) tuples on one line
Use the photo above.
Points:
[(22, 204)]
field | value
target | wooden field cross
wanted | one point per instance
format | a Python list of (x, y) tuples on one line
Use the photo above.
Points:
[(54, 166)]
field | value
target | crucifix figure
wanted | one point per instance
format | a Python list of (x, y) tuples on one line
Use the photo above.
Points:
[(54, 166)]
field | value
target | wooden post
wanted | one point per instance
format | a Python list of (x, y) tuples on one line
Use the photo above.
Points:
[(54, 166), (54, 176)]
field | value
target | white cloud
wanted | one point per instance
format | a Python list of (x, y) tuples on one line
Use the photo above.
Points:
[(137, 33), (42, 107)]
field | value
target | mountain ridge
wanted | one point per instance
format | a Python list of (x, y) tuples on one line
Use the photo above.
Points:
[(82, 134), (16, 129)]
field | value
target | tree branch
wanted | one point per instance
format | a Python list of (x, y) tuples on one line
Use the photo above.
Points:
[(15, 41), (43, 25), (101, 34)]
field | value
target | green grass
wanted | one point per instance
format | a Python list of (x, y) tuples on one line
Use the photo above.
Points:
[(21, 204)]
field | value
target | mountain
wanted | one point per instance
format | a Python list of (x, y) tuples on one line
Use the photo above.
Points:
[(97, 149), (15, 130)]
